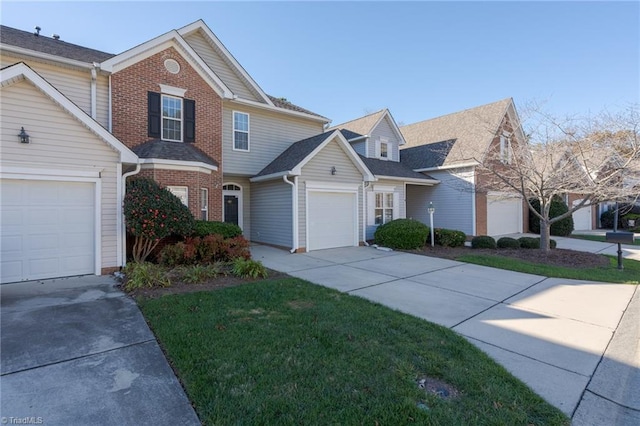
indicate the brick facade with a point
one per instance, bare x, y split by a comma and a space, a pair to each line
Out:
130, 119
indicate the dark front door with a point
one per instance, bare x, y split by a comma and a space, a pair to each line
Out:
231, 209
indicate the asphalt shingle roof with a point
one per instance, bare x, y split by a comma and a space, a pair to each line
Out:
44, 44
426, 156
293, 155
180, 151
348, 134
473, 129
363, 125
284, 104
391, 168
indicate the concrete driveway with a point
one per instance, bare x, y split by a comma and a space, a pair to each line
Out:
77, 351
556, 335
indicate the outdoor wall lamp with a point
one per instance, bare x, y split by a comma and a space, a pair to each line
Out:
24, 137
333, 170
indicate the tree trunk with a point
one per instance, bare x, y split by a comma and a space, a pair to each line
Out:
545, 236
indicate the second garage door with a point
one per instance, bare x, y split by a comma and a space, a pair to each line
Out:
332, 220
48, 229
504, 215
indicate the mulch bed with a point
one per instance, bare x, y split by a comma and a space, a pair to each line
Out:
555, 257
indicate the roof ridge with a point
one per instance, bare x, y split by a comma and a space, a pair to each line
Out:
456, 112
360, 118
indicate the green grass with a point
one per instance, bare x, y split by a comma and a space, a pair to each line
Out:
287, 352
601, 238
629, 275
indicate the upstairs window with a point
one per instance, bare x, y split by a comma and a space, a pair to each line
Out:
383, 149
240, 131
171, 119
505, 148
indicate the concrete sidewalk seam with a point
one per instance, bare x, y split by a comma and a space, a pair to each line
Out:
502, 302
522, 355
610, 400
613, 335
408, 276
78, 357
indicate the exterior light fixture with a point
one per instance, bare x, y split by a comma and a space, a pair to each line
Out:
24, 137
431, 211
333, 170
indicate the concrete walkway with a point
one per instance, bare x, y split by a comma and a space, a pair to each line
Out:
550, 333
77, 351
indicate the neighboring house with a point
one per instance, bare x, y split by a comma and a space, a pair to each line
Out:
447, 148
171, 108
377, 140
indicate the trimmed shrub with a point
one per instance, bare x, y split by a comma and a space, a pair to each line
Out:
246, 268
507, 242
210, 249
202, 228
558, 207
404, 234
483, 241
529, 242
151, 214
553, 244
449, 237
145, 275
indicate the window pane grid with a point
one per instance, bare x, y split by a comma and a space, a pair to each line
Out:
171, 118
241, 131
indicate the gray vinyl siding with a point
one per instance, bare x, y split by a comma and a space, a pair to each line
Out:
399, 188
246, 200
384, 129
271, 215
270, 133
220, 67
360, 147
73, 83
59, 141
318, 169
452, 199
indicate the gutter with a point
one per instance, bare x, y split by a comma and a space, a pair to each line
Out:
94, 101
294, 207
451, 166
46, 56
247, 102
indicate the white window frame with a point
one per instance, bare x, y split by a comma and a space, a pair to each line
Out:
505, 148
204, 204
379, 143
182, 192
163, 118
234, 130
385, 197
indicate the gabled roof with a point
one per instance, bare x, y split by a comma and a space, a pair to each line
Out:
394, 169
291, 161
429, 156
160, 43
199, 25
473, 129
367, 124
285, 104
21, 71
40, 43
349, 135
178, 151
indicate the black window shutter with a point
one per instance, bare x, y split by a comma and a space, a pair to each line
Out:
155, 114
189, 120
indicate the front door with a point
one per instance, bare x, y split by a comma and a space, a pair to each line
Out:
231, 209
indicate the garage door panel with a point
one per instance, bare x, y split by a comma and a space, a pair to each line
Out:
332, 220
504, 215
49, 231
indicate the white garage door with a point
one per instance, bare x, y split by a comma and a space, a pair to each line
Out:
47, 229
581, 218
504, 215
332, 220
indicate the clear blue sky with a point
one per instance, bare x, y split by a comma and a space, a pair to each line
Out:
419, 59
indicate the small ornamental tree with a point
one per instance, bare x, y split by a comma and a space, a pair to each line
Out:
151, 214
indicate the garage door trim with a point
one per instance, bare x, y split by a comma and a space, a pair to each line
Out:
77, 175
345, 188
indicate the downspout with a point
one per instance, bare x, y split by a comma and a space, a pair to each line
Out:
123, 227
365, 213
294, 207
94, 101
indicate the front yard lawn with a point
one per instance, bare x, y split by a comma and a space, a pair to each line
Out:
629, 275
286, 352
